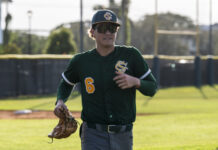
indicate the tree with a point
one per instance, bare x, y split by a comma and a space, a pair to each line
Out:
16, 42
6, 32
175, 44
125, 28
215, 44
11, 48
20, 39
61, 42
143, 37
88, 43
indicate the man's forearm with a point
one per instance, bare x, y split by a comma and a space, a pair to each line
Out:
149, 86
64, 91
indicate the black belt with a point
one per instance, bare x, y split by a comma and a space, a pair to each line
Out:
110, 128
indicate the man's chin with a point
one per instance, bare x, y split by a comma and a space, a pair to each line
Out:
108, 45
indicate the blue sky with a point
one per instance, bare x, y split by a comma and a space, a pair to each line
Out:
47, 14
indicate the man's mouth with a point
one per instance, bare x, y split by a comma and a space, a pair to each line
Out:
107, 38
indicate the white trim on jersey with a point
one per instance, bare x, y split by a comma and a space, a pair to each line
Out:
146, 74
65, 79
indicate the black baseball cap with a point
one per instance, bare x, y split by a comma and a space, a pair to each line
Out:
105, 15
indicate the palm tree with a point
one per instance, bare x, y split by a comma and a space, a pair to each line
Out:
126, 23
6, 31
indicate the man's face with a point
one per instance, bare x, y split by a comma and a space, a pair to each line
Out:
105, 34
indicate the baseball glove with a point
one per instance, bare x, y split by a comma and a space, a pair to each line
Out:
66, 126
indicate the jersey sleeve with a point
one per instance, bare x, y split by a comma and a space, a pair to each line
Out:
70, 75
64, 90
148, 85
141, 69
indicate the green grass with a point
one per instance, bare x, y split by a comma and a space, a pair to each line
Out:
184, 118
38, 103
176, 131
32, 135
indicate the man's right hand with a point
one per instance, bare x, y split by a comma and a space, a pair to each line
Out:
60, 109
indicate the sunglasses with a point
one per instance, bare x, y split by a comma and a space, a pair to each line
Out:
104, 27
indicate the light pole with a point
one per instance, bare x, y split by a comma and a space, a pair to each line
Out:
210, 62
156, 64
155, 29
29, 14
197, 54
81, 26
210, 46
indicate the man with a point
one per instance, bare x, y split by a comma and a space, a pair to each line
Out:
109, 75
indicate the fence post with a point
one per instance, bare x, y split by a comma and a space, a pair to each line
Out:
197, 71
210, 71
156, 69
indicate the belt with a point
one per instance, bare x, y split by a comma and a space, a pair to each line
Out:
110, 128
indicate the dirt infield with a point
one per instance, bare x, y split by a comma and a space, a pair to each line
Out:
11, 114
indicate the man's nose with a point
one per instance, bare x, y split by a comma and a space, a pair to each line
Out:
107, 32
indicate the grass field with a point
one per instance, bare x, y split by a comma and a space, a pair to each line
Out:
184, 118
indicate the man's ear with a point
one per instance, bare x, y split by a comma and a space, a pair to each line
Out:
92, 33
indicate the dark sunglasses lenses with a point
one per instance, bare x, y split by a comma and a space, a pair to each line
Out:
103, 28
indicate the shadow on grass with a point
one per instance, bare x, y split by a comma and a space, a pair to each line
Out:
147, 101
202, 93
204, 96
214, 87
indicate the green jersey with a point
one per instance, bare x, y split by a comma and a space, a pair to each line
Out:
102, 100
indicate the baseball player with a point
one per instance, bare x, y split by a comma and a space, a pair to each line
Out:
109, 75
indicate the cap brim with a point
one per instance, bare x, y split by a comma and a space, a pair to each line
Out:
106, 22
